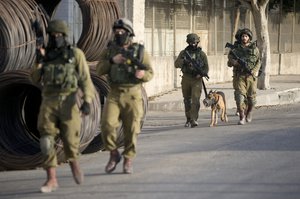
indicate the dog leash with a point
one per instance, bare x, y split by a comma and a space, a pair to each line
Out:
204, 88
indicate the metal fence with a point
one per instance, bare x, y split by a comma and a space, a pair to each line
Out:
167, 22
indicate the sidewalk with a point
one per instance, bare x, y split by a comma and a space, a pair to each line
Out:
285, 89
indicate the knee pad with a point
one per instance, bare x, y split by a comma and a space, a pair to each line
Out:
46, 144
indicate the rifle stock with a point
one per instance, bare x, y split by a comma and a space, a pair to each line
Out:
229, 45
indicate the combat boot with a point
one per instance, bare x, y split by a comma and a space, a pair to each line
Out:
77, 173
114, 159
242, 117
51, 183
127, 166
187, 123
249, 114
193, 123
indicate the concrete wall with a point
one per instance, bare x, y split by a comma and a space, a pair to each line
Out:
285, 64
289, 63
166, 77
134, 10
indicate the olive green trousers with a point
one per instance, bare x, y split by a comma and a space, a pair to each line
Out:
191, 90
59, 117
123, 105
245, 91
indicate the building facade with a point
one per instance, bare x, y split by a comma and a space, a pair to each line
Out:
162, 25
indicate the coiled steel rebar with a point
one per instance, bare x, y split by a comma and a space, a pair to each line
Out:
17, 41
98, 17
20, 101
18, 38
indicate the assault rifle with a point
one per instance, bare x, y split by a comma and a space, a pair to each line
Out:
37, 26
197, 65
229, 45
38, 30
242, 62
128, 54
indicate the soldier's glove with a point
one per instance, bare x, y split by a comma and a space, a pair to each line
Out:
85, 108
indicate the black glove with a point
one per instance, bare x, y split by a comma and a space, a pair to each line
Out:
85, 108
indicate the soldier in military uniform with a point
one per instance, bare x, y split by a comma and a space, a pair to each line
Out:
124, 102
61, 69
191, 82
245, 60
234, 77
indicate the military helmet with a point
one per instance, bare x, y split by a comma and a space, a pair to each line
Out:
192, 38
125, 24
59, 26
246, 31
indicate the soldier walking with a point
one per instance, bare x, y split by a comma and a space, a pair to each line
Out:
62, 70
191, 83
127, 66
245, 60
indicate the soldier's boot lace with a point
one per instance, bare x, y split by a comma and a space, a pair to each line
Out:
51, 183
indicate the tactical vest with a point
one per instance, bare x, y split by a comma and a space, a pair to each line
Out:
247, 54
125, 73
186, 68
60, 73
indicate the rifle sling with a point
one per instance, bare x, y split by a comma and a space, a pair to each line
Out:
204, 88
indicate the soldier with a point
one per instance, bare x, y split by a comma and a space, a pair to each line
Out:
234, 81
191, 82
127, 66
245, 61
61, 69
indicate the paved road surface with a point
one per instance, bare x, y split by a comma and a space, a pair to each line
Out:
260, 160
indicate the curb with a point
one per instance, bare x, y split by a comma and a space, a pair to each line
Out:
264, 98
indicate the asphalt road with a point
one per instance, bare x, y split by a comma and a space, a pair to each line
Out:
260, 160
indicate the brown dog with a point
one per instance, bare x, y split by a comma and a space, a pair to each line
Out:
216, 100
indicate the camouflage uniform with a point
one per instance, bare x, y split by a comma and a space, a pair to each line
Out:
124, 101
62, 72
59, 112
191, 83
245, 82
